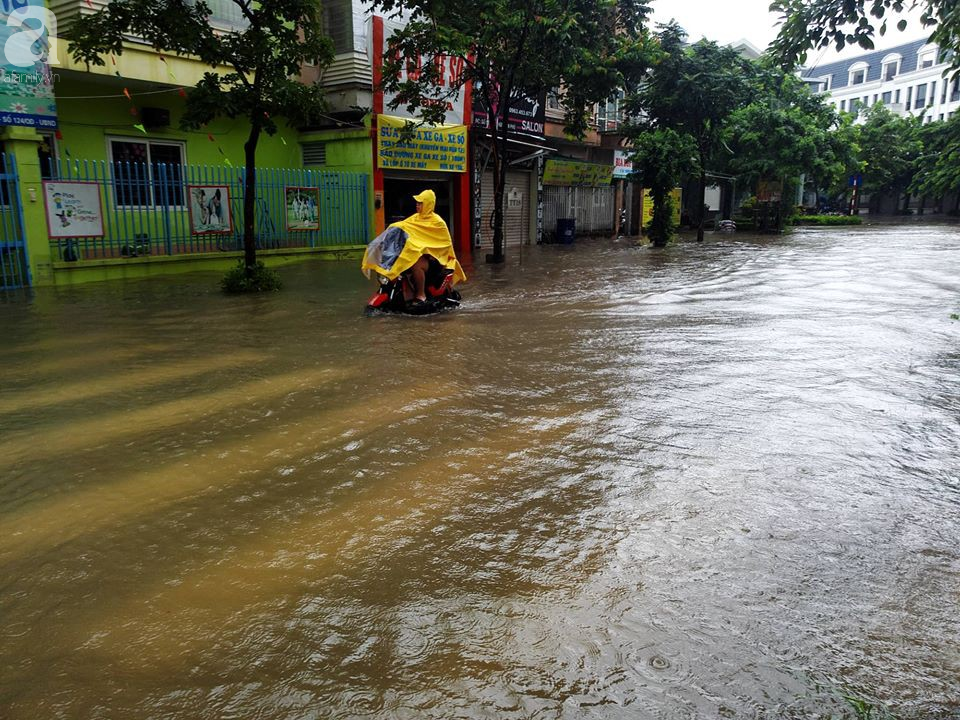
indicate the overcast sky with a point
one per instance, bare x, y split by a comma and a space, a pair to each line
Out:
727, 21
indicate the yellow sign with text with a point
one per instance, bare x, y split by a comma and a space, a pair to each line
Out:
646, 214
571, 172
435, 148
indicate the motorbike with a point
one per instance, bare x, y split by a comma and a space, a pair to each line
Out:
390, 296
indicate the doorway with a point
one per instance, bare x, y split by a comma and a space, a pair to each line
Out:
398, 202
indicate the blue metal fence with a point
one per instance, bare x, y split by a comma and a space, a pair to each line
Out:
147, 209
14, 270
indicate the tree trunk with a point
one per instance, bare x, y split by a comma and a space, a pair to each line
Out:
249, 198
702, 197
499, 125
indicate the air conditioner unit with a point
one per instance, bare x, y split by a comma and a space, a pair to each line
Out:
154, 117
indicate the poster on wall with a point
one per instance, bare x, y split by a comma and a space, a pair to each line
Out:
210, 210
302, 206
26, 81
73, 209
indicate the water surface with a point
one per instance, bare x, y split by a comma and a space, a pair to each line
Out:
715, 480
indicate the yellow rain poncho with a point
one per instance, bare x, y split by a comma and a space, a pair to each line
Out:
427, 234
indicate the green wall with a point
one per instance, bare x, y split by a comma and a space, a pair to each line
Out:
87, 118
347, 150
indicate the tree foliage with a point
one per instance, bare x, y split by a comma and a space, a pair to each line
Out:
814, 24
693, 90
263, 61
664, 158
587, 49
788, 132
890, 146
937, 168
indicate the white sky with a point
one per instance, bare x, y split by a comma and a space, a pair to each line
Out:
727, 21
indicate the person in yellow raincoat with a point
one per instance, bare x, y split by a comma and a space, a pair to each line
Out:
426, 235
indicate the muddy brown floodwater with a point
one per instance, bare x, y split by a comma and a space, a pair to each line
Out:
717, 480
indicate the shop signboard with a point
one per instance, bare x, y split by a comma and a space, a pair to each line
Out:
434, 148
622, 165
527, 115
445, 91
572, 172
27, 36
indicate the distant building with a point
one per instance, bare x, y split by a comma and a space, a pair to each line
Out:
746, 49
908, 79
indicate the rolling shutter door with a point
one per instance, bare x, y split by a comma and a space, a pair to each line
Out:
516, 220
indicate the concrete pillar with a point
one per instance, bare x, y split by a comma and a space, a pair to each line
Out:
22, 143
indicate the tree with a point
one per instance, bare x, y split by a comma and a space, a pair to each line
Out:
693, 90
787, 132
664, 157
889, 148
813, 24
511, 49
264, 58
938, 166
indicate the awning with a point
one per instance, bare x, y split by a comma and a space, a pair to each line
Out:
516, 146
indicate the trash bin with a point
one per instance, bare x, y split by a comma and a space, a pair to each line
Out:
566, 229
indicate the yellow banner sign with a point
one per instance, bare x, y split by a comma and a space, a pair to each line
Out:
570, 172
437, 148
646, 214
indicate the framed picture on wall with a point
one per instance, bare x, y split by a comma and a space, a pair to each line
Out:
210, 210
73, 209
302, 206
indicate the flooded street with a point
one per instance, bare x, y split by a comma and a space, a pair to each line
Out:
710, 481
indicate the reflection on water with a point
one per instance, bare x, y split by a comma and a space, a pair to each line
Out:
716, 480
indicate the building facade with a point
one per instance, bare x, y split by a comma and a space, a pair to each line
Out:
909, 79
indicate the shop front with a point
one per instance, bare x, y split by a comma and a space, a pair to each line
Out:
410, 158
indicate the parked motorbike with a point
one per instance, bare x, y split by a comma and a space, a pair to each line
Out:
390, 295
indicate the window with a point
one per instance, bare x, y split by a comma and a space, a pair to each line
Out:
887, 97
47, 153
610, 113
926, 59
338, 24
955, 90
896, 96
147, 173
933, 93
909, 97
843, 104
891, 67
858, 73
225, 15
921, 97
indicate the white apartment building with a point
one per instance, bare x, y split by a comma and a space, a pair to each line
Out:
910, 79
